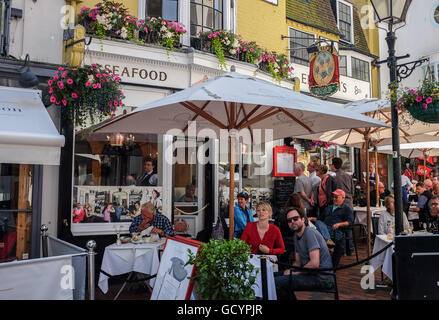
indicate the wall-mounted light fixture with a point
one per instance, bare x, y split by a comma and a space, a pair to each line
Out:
28, 79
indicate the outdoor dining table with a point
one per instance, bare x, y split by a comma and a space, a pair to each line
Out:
385, 258
257, 287
361, 214
128, 258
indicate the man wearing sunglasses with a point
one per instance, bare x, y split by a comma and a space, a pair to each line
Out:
333, 219
311, 252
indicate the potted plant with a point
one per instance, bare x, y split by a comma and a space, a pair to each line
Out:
422, 103
223, 271
85, 93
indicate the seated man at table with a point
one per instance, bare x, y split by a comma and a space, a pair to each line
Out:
388, 218
434, 213
149, 217
311, 252
422, 207
383, 192
332, 219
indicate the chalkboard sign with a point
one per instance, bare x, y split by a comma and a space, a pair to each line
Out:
283, 189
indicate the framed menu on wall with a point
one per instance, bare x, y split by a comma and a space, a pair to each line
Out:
284, 158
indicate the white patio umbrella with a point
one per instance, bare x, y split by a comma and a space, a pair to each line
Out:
241, 102
360, 137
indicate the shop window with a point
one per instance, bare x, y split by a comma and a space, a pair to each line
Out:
255, 176
113, 175
4, 5
206, 15
436, 15
299, 41
343, 65
16, 182
345, 24
360, 69
167, 9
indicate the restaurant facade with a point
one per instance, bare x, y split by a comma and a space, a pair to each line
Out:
96, 168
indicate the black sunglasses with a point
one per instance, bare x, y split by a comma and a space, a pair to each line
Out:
293, 219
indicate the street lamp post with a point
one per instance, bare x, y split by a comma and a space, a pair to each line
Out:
392, 11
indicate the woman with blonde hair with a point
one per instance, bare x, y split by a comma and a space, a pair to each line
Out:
262, 236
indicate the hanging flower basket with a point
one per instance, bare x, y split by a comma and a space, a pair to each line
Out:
422, 103
85, 94
429, 115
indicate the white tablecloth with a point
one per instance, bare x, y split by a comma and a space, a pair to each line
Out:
361, 214
129, 257
385, 258
257, 287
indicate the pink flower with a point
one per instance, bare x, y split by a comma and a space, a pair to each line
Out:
69, 81
50, 82
74, 95
95, 86
99, 75
60, 85
116, 104
64, 74
110, 104
425, 106
418, 99
64, 102
99, 85
429, 100
55, 78
88, 84
52, 99
51, 90
60, 68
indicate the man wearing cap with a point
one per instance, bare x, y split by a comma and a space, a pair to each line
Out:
243, 215
335, 217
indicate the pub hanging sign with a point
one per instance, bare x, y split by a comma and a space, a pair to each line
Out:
324, 74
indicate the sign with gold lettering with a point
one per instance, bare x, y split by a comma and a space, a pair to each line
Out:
324, 75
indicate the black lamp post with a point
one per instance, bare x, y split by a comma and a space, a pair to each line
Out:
392, 11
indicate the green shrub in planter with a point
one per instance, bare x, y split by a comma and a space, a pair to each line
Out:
223, 271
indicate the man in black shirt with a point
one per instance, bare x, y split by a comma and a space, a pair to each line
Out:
383, 192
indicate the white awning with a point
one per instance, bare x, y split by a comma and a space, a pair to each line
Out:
27, 133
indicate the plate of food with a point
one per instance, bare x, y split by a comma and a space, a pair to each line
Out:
125, 239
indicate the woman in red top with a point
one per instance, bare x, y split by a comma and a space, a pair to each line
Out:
263, 237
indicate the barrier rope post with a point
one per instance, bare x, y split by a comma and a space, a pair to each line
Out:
44, 242
264, 277
91, 245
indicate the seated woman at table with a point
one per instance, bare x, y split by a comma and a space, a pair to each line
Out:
388, 218
263, 237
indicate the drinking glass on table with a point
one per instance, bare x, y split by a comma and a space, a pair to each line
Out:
410, 228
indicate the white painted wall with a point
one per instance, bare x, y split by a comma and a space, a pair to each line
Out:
38, 33
419, 38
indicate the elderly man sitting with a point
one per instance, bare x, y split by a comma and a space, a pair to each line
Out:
333, 218
149, 217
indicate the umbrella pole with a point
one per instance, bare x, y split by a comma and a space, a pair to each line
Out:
232, 188
366, 137
377, 180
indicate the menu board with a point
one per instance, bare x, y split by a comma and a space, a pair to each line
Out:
284, 159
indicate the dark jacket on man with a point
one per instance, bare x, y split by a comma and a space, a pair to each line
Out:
345, 182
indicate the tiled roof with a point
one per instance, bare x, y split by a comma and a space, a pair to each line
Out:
314, 13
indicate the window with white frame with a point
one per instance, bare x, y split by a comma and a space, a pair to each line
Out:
436, 15
342, 65
167, 9
345, 20
360, 69
206, 15
299, 41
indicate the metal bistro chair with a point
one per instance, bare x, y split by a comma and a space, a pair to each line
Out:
331, 288
354, 238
